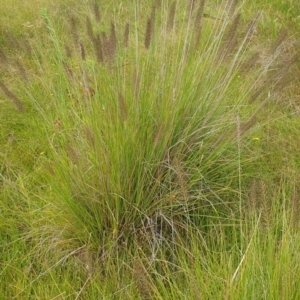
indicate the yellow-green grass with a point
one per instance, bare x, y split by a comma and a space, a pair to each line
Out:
149, 193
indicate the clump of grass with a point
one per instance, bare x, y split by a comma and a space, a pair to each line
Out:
135, 148
149, 148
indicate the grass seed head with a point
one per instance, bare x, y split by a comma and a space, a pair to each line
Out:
231, 7
122, 107
68, 51
198, 24
82, 51
97, 13
229, 40
89, 28
150, 28
22, 70
14, 99
126, 36
171, 17
295, 208
109, 44
74, 31
98, 47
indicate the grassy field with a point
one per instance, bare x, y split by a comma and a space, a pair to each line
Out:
149, 150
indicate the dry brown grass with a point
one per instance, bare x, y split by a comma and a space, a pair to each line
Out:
260, 202
122, 107
22, 69
109, 44
254, 194
98, 48
295, 209
182, 180
198, 24
97, 12
126, 35
89, 28
265, 205
82, 51
14, 99
150, 28
171, 17
230, 39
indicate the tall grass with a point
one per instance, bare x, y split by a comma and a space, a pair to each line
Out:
148, 176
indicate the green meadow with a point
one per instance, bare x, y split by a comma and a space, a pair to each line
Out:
150, 149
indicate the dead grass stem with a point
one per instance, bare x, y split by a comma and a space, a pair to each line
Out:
14, 99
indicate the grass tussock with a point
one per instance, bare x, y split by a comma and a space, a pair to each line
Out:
150, 155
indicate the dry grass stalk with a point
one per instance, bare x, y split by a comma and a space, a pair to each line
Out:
241, 129
89, 28
26, 47
249, 63
238, 129
198, 23
251, 30
122, 107
228, 135
136, 83
126, 36
82, 51
229, 40
244, 127
278, 80
258, 92
281, 39
182, 179
15, 100
97, 13
68, 70
72, 154
158, 135
74, 31
22, 70
148, 34
150, 28
157, 3
109, 44
265, 205
142, 280
295, 207
196, 288
171, 17
253, 196
68, 51
3, 57
12, 41
97, 43
113, 36
231, 7
191, 7
282, 75
199, 15
89, 136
